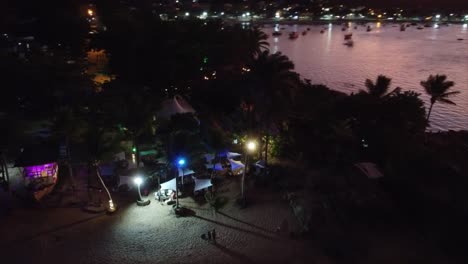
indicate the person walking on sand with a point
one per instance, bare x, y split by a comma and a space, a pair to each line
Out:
213, 234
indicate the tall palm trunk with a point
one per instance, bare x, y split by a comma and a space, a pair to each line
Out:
429, 113
98, 173
267, 139
137, 152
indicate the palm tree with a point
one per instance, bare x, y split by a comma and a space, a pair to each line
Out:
274, 86
256, 42
437, 87
380, 88
70, 128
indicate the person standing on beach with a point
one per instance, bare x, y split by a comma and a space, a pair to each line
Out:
213, 234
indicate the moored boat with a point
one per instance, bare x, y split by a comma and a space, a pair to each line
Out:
348, 36
293, 35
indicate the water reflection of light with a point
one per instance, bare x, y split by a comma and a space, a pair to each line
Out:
378, 24
275, 40
275, 48
465, 26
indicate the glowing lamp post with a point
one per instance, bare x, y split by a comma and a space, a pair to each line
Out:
138, 180
250, 148
180, 165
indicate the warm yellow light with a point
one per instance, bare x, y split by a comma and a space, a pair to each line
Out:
379, 16
251, 145
90, 12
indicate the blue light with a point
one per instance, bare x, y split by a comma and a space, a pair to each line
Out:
181, 162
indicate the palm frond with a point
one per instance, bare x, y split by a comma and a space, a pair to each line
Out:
445, 101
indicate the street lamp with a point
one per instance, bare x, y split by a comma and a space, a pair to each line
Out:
180, 165
138, 180
251, 146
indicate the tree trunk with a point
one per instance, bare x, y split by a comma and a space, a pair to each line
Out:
98, 173
267, 139
429, 113
137, 154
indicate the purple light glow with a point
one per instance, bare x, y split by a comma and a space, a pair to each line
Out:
45, 170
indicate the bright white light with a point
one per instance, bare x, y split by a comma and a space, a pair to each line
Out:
465, 25
138, 180
278, 14
251, 146
247, 14
243, 15
187, 14
295, 17
437, 16
111, 206
205, 14
222, 13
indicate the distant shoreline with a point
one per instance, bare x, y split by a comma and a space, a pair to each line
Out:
338, 21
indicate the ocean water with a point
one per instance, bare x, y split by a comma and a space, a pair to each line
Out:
407, 57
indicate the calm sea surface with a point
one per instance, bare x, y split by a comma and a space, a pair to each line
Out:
407, 57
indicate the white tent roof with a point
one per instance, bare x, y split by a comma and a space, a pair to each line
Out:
176, 105
186, 172
369, 169
169, 185
209, 157
235, 165
201, 184
233, 155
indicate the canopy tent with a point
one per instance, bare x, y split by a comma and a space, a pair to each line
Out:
169, 185
369, 169
236, 165
231, 155
201, 184
186, 172
209, 157
176, 105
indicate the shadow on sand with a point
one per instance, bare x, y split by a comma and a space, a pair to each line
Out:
238, 256
246, 223
237, 228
